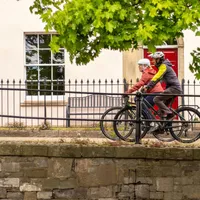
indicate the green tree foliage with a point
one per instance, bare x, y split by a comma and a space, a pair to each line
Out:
85, 27
195, 65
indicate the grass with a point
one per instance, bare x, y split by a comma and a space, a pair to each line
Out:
16, 125
51, 128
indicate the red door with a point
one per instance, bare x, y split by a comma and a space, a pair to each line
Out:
172, 55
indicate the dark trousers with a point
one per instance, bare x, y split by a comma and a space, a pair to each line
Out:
150, 100
160, 101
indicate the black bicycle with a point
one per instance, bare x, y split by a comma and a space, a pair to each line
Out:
184, 126
106, 123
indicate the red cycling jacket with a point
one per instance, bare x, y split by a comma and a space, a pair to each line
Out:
147, 75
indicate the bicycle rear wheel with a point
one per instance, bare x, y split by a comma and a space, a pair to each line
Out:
186, 132
126, 130
107, 126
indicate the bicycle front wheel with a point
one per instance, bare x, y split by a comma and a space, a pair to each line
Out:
107, 126
185, 127
126, 130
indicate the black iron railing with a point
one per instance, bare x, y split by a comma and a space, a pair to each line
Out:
81, 103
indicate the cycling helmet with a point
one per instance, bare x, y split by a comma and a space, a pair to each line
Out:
158, 54
144, 61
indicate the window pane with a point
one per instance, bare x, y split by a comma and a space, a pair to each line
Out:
32, 86
45, 72
44, 41
58, 72
45, 86
58, 58
32, 73
45, 56
31, 41
31, 57
58, 85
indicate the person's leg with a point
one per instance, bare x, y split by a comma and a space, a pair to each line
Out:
153, 125
160, 100
150, 101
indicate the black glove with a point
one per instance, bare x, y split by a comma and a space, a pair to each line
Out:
144, 89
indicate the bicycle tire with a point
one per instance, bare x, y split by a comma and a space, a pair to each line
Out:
185, 125
108, 133
126, 137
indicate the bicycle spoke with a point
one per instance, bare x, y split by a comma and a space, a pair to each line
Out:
107, 126
126, 130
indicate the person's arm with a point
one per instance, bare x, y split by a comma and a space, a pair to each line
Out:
159, 75
139, 84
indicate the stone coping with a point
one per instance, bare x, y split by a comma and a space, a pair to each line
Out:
68, 132
92, 148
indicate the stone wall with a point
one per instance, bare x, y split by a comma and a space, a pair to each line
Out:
98, 172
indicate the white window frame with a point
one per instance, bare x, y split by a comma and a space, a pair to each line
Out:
41, 97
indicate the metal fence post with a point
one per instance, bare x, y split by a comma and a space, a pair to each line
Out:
138, 117
183, 88
194, 93
45, 103
68, 112
126, 85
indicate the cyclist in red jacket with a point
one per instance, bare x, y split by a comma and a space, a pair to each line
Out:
147, 74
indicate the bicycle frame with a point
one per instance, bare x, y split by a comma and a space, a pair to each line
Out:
146, 104
150, 111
